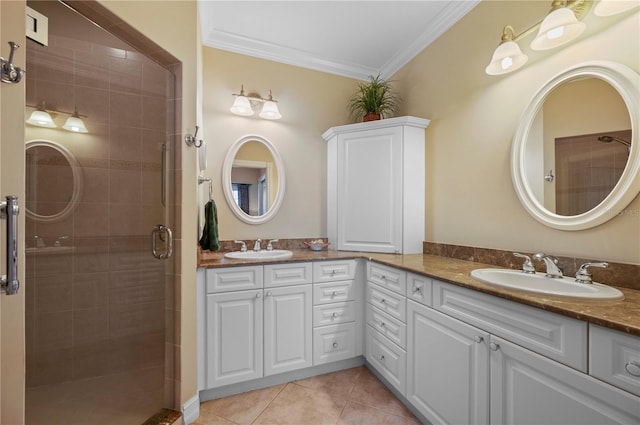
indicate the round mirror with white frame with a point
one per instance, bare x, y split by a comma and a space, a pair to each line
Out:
253, 179
543, 153
53, 181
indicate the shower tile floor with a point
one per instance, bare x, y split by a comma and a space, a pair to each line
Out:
352, 396
120, 399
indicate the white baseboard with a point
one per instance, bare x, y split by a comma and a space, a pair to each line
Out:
191, 410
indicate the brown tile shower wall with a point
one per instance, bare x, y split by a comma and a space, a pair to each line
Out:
101, 310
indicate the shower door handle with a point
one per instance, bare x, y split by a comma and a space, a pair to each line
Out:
165, 235
9, 210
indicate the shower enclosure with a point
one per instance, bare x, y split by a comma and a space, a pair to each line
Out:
99, 312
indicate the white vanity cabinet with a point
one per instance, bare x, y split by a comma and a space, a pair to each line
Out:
336, 309
257, 332
386, 318
376, 185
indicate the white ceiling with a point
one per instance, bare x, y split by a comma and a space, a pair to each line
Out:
350, 38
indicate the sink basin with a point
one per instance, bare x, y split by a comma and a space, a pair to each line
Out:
276, 254
540, 284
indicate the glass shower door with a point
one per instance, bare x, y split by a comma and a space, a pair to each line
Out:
96, 303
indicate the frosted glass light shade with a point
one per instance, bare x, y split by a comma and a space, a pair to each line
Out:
559, 27
41, 119
75, 124
270, 111
613, 7
506, 58
241, 106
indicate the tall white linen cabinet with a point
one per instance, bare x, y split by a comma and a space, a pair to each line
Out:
376, 185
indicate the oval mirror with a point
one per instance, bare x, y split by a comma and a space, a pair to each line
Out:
253, 179
575, 160
53, 183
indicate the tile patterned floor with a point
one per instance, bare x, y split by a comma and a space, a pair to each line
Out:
352, 396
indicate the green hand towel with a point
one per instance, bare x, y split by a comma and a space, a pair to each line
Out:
209, 239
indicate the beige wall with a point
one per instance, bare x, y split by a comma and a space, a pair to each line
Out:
12, 28
470, 197
174, 26
310, 103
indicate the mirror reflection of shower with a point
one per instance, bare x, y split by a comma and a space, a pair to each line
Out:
609, 139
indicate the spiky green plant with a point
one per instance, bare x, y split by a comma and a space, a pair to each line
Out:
376, 96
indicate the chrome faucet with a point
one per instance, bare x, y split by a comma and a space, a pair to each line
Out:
584, 276
39, 242
553, 270
270, 246
243, 247
256, 246
527, 266
58, 241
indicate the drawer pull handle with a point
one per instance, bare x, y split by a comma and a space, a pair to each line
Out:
335, 345
381, 357
494, 347
633, 368
478, 338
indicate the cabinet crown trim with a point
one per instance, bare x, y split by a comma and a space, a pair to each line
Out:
373, 125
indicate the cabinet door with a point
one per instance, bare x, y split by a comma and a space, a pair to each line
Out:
288, 338
447, 368
528, 388
234, 337
370, 190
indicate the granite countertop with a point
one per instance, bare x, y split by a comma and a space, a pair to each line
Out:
622, 315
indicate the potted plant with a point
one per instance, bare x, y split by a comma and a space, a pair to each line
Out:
373, 100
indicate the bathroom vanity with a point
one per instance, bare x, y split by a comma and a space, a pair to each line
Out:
453, 349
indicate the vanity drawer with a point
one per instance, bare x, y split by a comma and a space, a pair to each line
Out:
387, 277
560, 338
333, 343
333, 271
330, 292
332, 314
287, 274
234, 279
393, 329
614, 357
391, 303
419, 288
387, 358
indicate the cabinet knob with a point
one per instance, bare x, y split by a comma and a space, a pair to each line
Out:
333, 272
382, 324
417, 289
383, 277
478, 338
334, 314
382, 301
494, 347
258, 295
633, 368
335, 345
382, 357
334, 293
269, 294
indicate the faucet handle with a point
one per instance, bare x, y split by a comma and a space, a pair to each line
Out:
243, 248
527, 266
583, 275
269, 246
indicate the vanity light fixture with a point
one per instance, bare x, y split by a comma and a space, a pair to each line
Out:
41, 118
561, 25
613, 7
244, 105
74, 123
